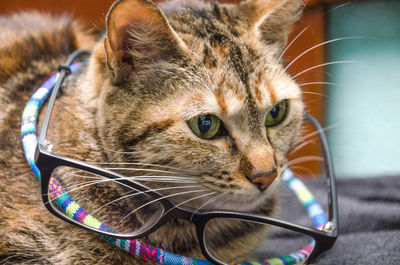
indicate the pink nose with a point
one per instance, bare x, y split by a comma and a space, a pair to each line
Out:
263, 179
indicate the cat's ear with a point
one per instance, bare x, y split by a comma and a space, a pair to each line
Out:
137, 30
271, 19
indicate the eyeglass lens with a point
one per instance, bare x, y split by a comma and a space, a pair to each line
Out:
113, 206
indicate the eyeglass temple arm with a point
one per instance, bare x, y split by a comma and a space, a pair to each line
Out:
64, 71
332, 192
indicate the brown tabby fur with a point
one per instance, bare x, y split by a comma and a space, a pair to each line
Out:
144, 81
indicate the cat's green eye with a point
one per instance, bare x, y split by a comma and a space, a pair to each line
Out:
205, 126
277, 114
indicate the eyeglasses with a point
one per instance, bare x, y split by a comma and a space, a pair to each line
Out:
70, 187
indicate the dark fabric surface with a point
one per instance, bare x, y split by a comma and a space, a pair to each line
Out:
369, 220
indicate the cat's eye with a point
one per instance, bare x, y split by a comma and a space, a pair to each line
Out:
277, 114
205, 126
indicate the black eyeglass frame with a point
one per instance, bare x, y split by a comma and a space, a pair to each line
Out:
47, 162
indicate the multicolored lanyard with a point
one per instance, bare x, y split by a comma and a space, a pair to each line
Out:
135, 247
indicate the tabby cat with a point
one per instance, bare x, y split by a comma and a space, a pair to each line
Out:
191, 87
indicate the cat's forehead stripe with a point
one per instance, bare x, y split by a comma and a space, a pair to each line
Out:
148, 131
229, 97
271, 92
258, 92
264, 91
225, 49
219, 96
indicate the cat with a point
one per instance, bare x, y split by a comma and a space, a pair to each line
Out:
156, 85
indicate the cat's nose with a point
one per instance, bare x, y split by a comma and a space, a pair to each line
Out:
263, 179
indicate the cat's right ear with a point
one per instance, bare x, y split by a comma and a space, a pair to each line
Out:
138, 31
271, 20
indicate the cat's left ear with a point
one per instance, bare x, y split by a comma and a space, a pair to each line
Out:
270, 19
138, 32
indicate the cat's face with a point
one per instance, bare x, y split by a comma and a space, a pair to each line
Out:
205, 95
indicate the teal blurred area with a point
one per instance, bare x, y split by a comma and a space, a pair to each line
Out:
364, 107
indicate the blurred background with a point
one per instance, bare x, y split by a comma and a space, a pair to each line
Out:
363, 108
349, 73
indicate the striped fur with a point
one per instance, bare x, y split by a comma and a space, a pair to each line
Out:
138, 99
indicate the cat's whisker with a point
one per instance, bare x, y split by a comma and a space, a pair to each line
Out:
310, 49
208, 76
206, 85
301, 33
146, 181
161, 176
85, 184
321, 65
316, 46
162, 180
305, 159
309, 171
202, 81
82, 184
316, 132
141, 169
90, 183
313, 93
206, 203
319, 83
300, 146
159, 199
165, 177
183, 177
191, 199
81, 176
140, 178
127, 195
276, 71
290, 44
130, 195
200, 61
337, 7
144, 164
